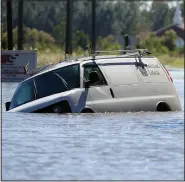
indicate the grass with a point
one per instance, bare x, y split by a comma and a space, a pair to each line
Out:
172, 61
48, 57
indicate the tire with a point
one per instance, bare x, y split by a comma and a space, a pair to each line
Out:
163, 107
87, 110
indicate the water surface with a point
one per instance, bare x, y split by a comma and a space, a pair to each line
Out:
113, 146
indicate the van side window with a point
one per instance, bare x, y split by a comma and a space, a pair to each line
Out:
48, 84
89, 67
70, 75
60, 80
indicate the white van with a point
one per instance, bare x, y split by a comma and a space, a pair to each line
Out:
125, 83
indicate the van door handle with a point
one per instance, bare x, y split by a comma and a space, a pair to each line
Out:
111, 92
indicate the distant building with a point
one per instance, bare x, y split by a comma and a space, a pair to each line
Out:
177, 26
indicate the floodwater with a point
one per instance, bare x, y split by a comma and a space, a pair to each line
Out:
114, 146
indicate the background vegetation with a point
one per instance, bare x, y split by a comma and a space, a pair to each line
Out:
44, 27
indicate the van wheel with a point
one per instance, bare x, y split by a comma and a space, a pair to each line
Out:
162, 107
87, 110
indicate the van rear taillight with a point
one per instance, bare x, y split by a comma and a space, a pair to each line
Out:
169, 76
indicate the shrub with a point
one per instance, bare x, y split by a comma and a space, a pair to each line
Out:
80, 39
108, 43
159, 45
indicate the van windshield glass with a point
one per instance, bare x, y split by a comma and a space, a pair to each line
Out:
25, 93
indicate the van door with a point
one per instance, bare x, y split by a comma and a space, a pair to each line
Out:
100, 92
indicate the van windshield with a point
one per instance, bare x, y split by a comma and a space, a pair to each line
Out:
24, 93
46, 84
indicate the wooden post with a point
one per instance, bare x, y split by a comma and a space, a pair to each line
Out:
20, 26
93, 25
9, 24
68, 45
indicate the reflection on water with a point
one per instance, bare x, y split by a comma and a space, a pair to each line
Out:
117, 146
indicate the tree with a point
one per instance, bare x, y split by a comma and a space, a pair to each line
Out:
125, 20
80, 39
169, 40
60, 33
182, 8
160, 15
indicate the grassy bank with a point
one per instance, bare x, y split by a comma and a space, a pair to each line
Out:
47, 57
175, 62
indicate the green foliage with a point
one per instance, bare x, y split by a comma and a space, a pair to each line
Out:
160, 15
181, 51
126, 15
79, 51
80, 39
60, 32
182, 8
112, 17
45, 25
159, 45
3, 40
169, 40
108, 43
32, 39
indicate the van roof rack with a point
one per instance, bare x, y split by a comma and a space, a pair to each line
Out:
127, 51
132, 52
140, 51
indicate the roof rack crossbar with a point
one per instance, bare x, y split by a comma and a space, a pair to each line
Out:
133, 52
124, 51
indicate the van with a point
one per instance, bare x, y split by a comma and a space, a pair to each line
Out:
131, 82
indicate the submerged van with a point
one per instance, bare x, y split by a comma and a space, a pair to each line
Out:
130, 82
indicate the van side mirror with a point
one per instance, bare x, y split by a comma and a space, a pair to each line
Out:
7, 106
93, 77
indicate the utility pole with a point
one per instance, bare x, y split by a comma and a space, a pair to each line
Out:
20, 25
9, 24
126, 41
68, 45
93, 24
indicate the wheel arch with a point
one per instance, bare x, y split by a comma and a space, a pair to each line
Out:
162, 106
87, 110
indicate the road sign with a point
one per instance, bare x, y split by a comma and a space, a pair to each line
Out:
13, 64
